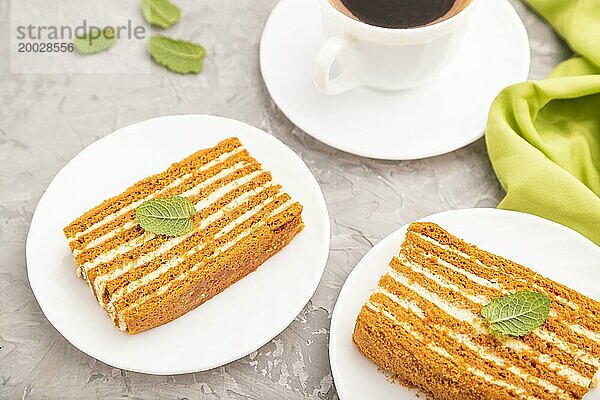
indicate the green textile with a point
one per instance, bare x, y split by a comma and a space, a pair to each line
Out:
543, 137
577, 21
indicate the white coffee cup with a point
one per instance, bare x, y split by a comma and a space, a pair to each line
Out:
383, 58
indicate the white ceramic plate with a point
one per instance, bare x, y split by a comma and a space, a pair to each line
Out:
553, 250
447, 113
229, 326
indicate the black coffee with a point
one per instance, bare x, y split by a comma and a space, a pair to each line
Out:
399, 13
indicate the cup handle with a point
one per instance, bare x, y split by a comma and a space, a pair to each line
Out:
326, 56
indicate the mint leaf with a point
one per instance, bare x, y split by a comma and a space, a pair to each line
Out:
161, 13
95, 40
166, 216
177, 55
517, 314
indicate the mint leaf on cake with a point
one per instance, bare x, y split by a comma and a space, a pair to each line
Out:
517, 314
166, 216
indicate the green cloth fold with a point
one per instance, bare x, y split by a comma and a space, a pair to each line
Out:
543, 137
577, 21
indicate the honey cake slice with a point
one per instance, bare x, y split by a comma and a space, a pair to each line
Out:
144, 280
423, 324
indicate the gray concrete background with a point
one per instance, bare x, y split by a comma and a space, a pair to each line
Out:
45, 120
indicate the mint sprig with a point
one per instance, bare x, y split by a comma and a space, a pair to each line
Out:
166, 216
517, 314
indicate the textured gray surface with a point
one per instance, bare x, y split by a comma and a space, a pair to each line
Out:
46, 119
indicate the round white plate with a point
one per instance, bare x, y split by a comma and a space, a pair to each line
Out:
553, 250
448, 112
232, 324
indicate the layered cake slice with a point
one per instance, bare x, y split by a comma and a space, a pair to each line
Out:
143, 279
424, 324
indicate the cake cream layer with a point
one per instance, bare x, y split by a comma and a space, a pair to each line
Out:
144, 280
423, 323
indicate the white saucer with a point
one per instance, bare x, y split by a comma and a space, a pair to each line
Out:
232, 324
542, 245
447, 113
